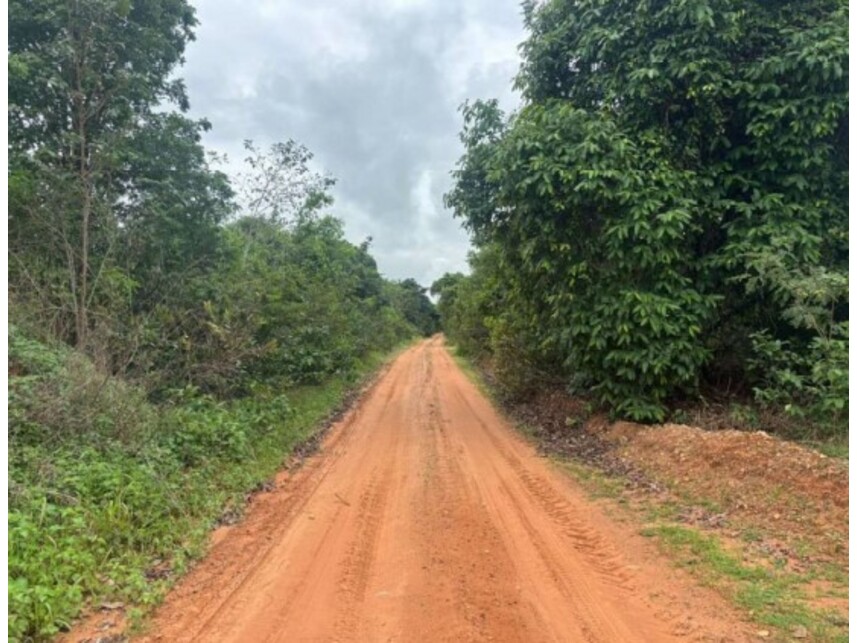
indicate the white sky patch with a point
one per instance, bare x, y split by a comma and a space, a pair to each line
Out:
421, 196
482, 49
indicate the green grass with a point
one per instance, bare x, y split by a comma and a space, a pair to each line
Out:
89, 516
771, 596
596, 483
833, 448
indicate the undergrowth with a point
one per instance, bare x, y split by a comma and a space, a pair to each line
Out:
110, 496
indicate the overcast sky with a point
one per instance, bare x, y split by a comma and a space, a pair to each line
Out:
372, 88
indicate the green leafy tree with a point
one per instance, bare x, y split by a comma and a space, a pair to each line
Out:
411, 300
82, 76
662, 149
446, 290
174, 202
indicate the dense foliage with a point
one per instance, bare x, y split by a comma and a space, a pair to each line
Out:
127, 242
174, 332
667, 212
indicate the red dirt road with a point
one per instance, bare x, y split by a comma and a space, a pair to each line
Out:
426, 518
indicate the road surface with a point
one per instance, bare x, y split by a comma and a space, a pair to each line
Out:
426, 518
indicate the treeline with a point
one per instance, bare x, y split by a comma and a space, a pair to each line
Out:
666, 217
173, 333
128, 243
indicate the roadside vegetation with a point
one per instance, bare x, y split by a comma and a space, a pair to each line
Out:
109, 507
174, 334
662, 226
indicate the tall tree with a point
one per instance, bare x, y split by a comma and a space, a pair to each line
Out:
83, 75
173, 202
677, 169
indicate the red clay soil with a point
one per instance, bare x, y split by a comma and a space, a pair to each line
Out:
752, 477
424, 517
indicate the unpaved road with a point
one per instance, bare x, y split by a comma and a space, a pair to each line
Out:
426, 518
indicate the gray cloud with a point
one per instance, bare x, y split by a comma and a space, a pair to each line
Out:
372, 88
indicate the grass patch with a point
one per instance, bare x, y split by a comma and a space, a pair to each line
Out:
772, 597
596, 483
833, 448
97, 518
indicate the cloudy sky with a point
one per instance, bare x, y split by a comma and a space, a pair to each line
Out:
372, 87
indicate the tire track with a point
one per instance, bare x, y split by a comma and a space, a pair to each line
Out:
599, 553
357, 565
476, 572
424, 518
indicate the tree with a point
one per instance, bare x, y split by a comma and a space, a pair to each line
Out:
665, 151
173, 204
446, 289
82, 76
410, 299
280, 185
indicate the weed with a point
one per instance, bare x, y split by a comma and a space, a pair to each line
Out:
772, 597
594, 481
88, 517
744, 415
751, 535
833, 448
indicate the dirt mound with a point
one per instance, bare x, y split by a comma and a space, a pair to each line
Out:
723, 478
763, 520
751, 477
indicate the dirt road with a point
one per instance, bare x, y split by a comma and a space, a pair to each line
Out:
425, 518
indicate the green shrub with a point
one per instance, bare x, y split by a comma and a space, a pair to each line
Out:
84, 524
203, 429
50, 568
67, 398
515, 365
30, 357
804, 371
89, 516
811, 383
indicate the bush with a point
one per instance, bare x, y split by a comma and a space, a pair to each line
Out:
811, 384
85, 523
205, 429
60, 396
515, 366
804, 371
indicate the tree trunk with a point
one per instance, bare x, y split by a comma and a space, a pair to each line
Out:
85, 178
